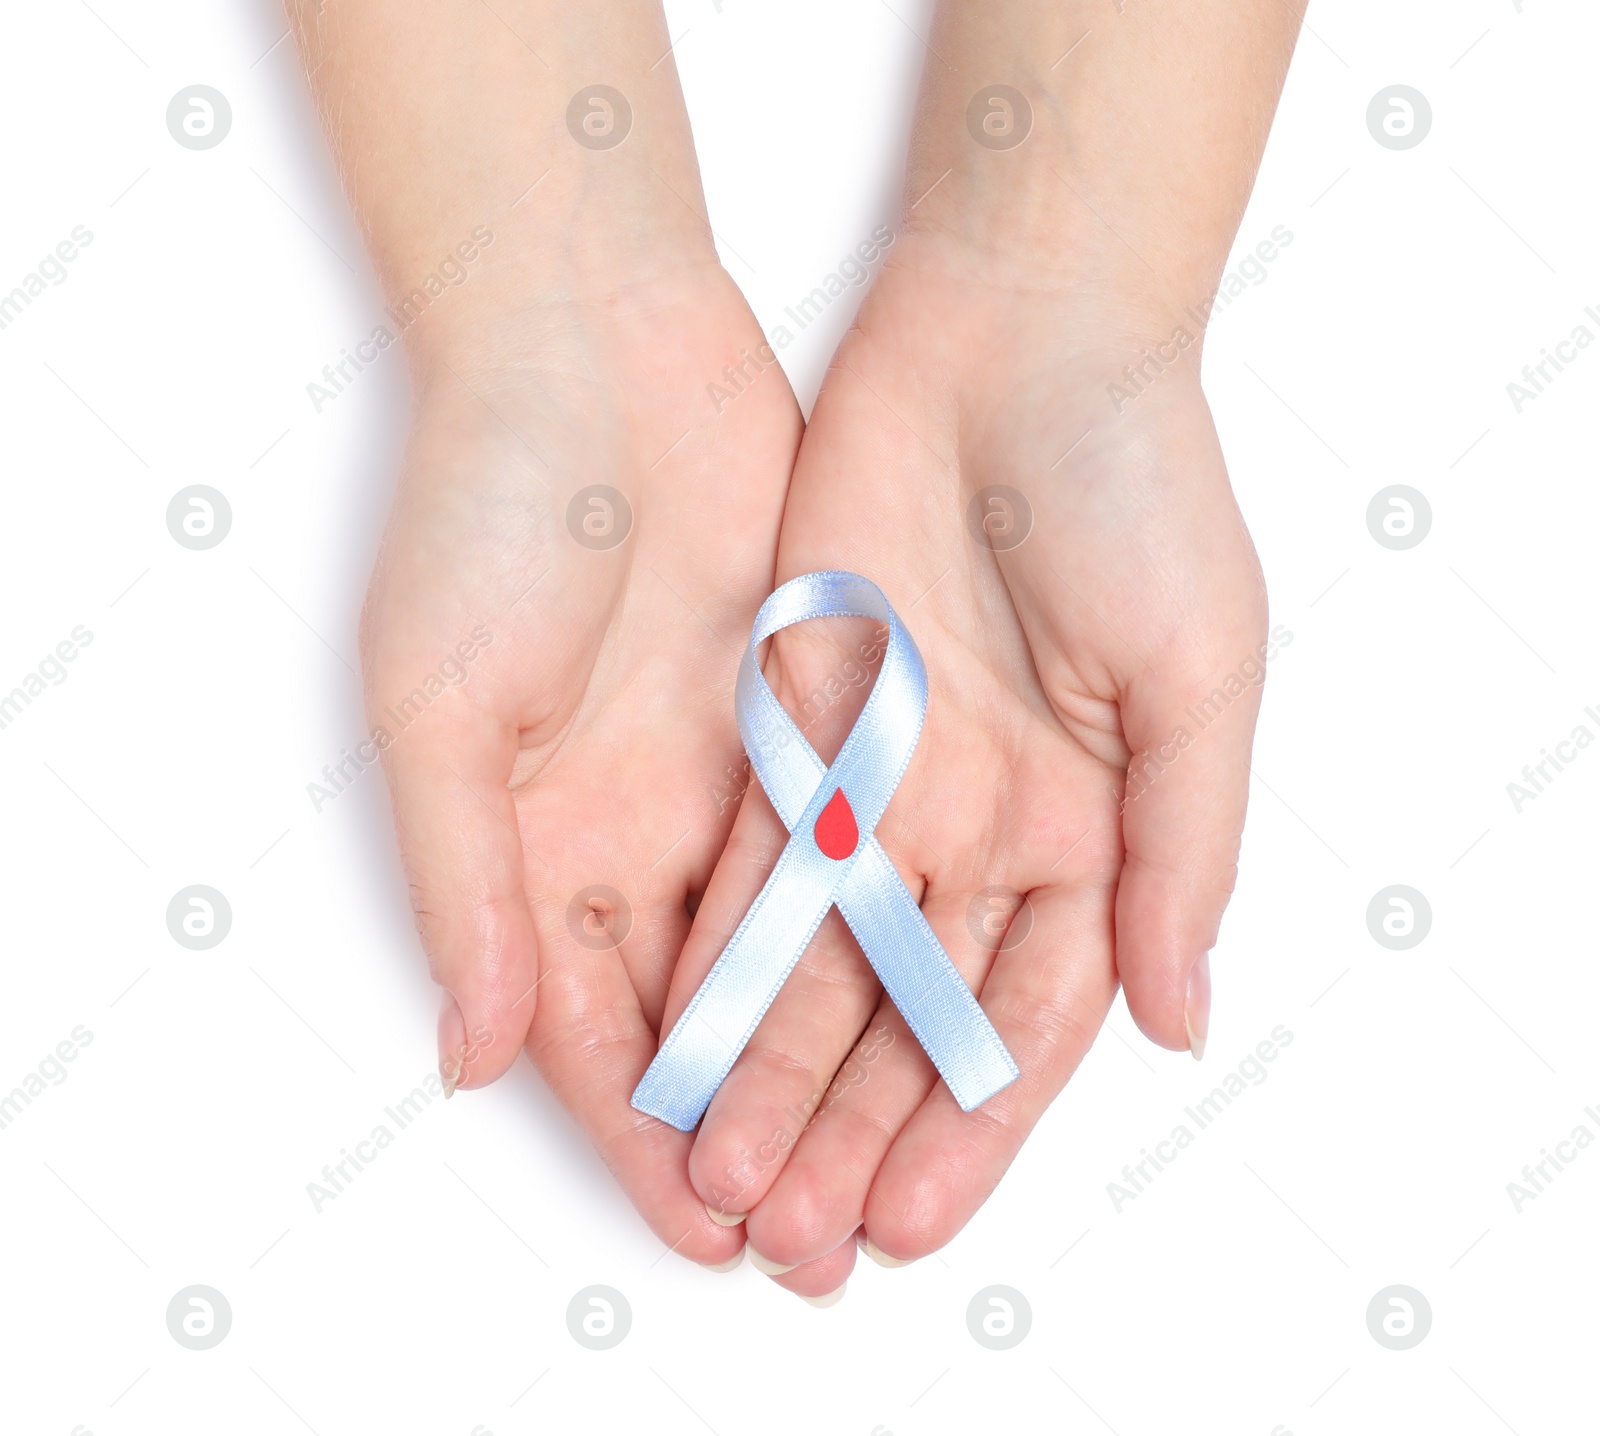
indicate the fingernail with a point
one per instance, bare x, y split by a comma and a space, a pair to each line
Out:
728, 1265
833, 1298
1197, 1005
452, 1044
878, 1254
766, 1264
725, 1219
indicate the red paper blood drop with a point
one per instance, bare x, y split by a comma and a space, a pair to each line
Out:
836, 830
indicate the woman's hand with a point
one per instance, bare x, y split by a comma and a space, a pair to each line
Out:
580, 510
577, 510
1072, 813
1073, 658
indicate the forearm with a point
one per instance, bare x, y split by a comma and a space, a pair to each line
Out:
1148, 119
451, 120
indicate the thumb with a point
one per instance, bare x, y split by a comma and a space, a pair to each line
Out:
457, 824
1190, 728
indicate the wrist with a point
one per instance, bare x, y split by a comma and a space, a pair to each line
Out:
1050, 281
1059, 149
530, 295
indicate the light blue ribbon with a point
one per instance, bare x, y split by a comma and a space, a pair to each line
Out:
914, 969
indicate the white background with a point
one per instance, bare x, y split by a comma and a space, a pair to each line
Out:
1231, 1295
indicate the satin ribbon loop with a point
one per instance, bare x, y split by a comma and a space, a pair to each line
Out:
819, 868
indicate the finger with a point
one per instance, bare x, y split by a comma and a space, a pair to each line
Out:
820, 1197
781, 1076
784, 1072
448, 768
817, 1198
1047, 998
591, 1041
1183, 813
820, 1282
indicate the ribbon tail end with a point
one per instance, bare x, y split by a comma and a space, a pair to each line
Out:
649, 1098
975, 1088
